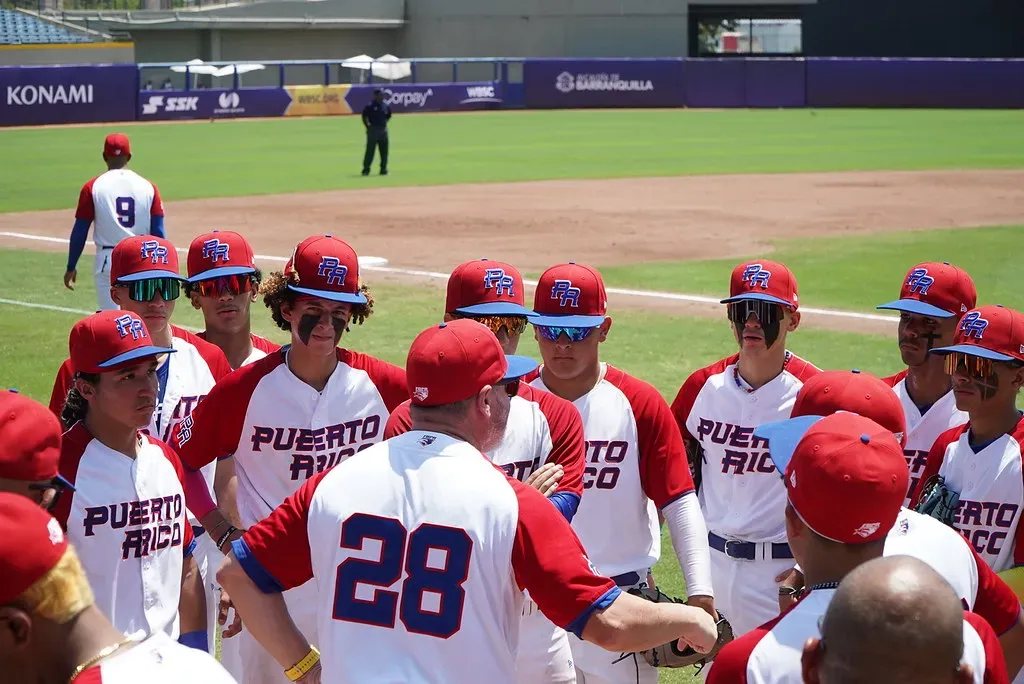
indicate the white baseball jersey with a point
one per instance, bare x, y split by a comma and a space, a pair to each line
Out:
261, 346
991, 488
635, 464
923, 430
121, 203
421, 549
157, 659
542, 428
771, 653
127, 521
741, 492
949, 554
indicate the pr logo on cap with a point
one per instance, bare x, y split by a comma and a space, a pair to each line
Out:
919, 282
483, 287
937, 290
127, 325
154, 251
501, 282
973, 325
215, 250
566, 294
332, 269
757, 276
763, 280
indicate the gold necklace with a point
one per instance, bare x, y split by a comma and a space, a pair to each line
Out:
98, 657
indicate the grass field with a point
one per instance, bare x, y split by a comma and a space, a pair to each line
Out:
256, 157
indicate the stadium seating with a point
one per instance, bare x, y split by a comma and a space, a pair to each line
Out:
21, 29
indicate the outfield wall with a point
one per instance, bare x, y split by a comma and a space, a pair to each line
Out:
80, 94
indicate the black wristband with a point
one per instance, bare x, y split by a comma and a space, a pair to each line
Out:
788, 591
224, 538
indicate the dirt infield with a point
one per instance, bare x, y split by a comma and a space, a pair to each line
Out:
603, 222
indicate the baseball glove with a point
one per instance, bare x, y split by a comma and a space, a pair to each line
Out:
669, 655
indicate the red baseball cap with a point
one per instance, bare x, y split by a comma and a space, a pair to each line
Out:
832, 391
991, 332
108, 340
453, 361
29, 439
143, 257
937, 290
31, 544
763, 280
570, 295
219, 253
116, 145
327, 267
485, 287
846, 476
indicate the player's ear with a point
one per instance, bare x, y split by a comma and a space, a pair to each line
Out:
15, 630
810, 660
115, 295
605, 327
794, 321
85, 388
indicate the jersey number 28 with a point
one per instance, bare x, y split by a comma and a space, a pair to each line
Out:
435, 561
125, 208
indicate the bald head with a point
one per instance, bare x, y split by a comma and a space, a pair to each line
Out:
892, 620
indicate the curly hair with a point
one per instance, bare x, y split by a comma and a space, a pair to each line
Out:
275, 293
75, 405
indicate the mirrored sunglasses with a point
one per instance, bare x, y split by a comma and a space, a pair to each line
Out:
515, 325
145, 290
511, 388
230, 284
975, 366
553, 332
765, 312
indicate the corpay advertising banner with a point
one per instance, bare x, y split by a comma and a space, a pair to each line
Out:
572, 83
36, 95
429, 97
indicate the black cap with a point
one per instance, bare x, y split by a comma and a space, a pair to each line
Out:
377, 91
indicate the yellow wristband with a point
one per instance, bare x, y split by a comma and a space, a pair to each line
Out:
308, 662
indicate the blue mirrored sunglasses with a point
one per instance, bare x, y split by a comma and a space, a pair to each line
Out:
553, 332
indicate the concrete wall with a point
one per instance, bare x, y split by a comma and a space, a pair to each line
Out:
544, 28
89, 53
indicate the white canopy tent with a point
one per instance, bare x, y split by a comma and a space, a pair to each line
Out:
199, 67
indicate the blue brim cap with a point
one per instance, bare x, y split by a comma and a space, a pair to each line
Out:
918, 307
345, 297
973, 350
783, 436
567, 321
496, 309
518, 366
221, 271
755, 297
150, 275
138, 353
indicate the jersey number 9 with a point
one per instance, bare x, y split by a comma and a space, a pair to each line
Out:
125, 208
435, 560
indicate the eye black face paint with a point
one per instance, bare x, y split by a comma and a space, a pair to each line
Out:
988, 386
767, 314
308, 323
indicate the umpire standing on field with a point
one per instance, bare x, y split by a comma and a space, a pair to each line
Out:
375, 117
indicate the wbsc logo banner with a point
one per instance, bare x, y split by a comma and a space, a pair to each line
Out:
432, 97
75, 94
574, 83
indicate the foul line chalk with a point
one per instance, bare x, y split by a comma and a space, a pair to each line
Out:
372, 263
64, 309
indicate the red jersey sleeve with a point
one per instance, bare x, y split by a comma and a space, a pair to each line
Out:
72, 446
61, 386
801, 369
995, 602
568, 446
188, 537
995, 661
935, 457
158, 204
214, 427
211, 353
263, 344
732, 669
664, 471
687, 395
86, 209
548, 560
388, 378
399, 422
275, 552
894, 380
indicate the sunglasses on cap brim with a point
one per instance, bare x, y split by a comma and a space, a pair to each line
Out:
574, 334
146, 290
515, 325
228, 284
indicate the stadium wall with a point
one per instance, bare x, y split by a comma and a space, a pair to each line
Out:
72, 53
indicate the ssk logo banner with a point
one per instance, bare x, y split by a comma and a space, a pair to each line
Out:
161, 103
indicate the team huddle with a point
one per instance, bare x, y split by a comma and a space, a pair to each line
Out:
477, 516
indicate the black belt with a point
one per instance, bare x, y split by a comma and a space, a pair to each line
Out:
745, 550
627, 579
102, 248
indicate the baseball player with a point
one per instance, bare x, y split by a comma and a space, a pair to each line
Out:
296, 412
636, 463
932, 300
977, 466
543, 444
915, 534
53, 630
421, 548
29, 450
223, 282
127, 515
122, 203
921, 616
845, 479
717, 409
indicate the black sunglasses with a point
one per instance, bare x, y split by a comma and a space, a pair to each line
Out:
56, 484
511, 388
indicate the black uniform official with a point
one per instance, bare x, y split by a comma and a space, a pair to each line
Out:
375, 119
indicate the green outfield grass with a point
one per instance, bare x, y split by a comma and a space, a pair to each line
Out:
855, 273
191, 160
